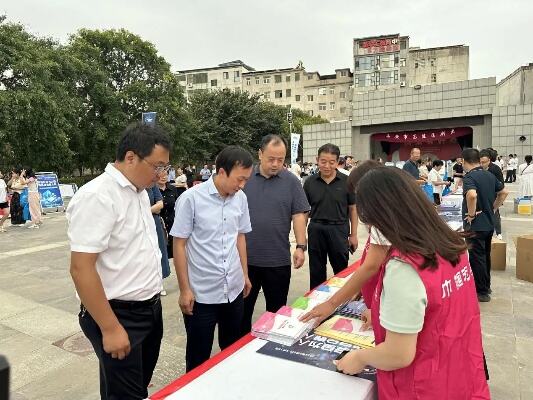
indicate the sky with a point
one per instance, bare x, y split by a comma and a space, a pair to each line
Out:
278, 33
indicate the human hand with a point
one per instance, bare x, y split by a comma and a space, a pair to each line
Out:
186, 302
319, 313
350, 364
366, 317
353, 242
469, 219
247, 286
116, 342
298, 258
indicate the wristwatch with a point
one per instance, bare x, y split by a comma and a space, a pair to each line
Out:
302, 246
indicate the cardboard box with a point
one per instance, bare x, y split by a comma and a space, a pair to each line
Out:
524, 209
498, 254
524, 258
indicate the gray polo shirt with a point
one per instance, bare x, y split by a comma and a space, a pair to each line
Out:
272, 202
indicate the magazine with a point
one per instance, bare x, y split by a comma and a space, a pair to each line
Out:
347, 330
284, 328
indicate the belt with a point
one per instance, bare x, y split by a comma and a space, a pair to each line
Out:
327, 222
132, 304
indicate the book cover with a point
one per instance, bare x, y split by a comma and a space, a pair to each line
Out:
346, 329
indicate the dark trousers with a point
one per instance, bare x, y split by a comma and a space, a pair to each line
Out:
497, 222
436, 199
326, 241
275, 282
511, 176
479, 256
200, 328
128, 379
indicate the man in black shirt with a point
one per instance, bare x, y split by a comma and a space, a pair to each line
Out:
487, 158
483, 194
411, 166
458, 173
332, 214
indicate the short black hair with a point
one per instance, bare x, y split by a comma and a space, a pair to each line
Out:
471, 156
437, 163
342, 161
141, 139
273, 138
231, 157
529, 159
485, 153
329, 148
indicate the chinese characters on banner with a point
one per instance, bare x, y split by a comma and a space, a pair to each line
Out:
376, 46
422, 136
295, 141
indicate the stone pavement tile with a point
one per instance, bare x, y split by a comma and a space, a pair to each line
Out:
78, 379
32, 359
12, 305
523, 306
499, 349
523, 327
526, 382
497, 326
498, 305
6, 332
524, 351
45, 323
170, 366
504, 382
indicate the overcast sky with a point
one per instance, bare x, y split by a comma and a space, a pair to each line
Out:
276, 34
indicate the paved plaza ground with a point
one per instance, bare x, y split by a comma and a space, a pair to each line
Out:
51, 359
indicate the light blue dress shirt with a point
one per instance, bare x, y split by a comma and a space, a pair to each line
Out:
211, 225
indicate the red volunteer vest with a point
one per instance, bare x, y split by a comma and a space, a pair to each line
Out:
367, 290
448, 364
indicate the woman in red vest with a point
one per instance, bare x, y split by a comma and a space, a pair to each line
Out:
425, 313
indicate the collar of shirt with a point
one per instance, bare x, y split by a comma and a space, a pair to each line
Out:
119, 177
336, 178
475, 169
257, 171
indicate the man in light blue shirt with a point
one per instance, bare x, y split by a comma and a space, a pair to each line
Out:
210, 255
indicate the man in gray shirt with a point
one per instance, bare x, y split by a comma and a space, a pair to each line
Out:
275, 199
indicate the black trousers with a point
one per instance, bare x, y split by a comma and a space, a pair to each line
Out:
200, 328
275, 282
510, 177
436, 199
497, 223
326, 241
128, 379
479, 256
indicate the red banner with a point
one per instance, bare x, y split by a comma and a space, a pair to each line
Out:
425, 136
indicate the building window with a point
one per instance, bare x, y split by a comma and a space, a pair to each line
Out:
288, 93
332, 105
266, 79
182, 78
342, 95
332, 90
432, 62
213, 82
433, 78
310, 112
296, 76
297, 97
257, 80
402, 62
236, 76
266, 95
199, 78
248, 83
403, 44
309, 97
226, 75
278, 94
321, 106
322, 91
288, 78
365, 63
363, 80
387, 61
309, 76
343, 110
344, 73
277, 78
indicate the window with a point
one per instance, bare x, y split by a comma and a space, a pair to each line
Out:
332, 105
288, 93
297, 97
226, 75
433, 78
199, 78
343, 110
309, 97
278, 94
310, 112
332, 90
213, 82
266, 79
309, 76
182, 78
416, 64
402, 62
432, 62
387, 61
296, 76
322, 91
403, 44
363, 80
288, 78
322, 106
342, 95
277, 78
365, 63
266, 95
387, 77
248, 82
344, 73
236, 76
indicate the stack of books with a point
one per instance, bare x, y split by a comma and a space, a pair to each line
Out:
282, 327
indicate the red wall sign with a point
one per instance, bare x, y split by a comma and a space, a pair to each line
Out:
373, 46
422, 136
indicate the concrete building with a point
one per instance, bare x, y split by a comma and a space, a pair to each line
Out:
328, 96
437, 65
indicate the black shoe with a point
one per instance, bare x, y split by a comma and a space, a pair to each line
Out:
483, 298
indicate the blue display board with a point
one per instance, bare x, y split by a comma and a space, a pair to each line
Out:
49, 190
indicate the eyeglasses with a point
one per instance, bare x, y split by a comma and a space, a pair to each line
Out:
157, 168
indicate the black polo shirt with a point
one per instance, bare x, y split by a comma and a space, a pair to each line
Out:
486, 186
329, 202
496, 171
412, 169
272, 202
458, 170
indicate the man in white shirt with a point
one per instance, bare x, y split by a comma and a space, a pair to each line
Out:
116, 263
437, 183
512, 164
210, 255
4, 206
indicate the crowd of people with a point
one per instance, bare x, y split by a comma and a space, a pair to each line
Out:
228, 239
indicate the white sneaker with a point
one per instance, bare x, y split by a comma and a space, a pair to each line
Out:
163, 292
499, 236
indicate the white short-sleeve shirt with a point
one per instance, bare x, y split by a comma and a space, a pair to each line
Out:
3, 191
110, 217
376, 237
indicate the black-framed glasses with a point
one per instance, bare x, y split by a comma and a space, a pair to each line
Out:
157, 168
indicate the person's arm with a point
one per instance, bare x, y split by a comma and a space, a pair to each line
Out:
241, 248
299, 225
354, 223
186, 299
471, 205
157, 207
89, 287
500, 198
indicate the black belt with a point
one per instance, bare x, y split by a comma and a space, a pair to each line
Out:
327, 222
132, 304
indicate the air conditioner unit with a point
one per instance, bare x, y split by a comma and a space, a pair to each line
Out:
402, 84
